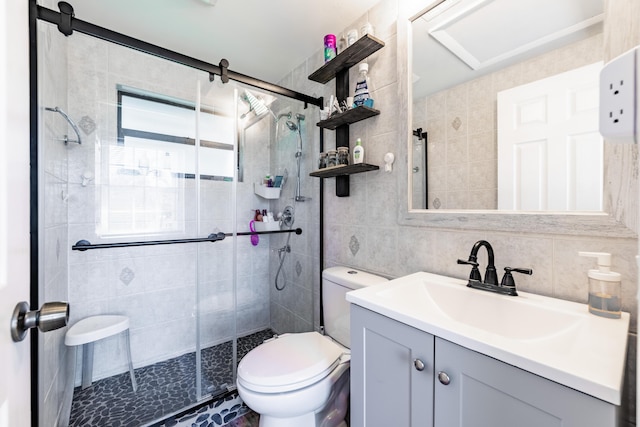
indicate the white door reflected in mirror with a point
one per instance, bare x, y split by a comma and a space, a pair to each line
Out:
550, 152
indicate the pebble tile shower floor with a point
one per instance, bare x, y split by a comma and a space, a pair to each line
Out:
163, 388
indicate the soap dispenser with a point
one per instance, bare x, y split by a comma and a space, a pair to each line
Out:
604, 287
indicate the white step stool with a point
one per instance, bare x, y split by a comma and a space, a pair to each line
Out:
91, 329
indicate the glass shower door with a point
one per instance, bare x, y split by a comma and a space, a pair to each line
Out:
216, 180
136, 112
133, 178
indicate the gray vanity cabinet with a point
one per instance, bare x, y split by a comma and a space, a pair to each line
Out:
387, 387
483, 391
457, 387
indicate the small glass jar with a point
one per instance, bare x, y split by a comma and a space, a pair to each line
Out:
343, 155
322, 160
332, 158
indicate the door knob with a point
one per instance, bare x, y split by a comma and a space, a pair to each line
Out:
419, 364
444, 378
52, 315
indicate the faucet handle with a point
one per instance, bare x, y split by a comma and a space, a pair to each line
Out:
475, 273
507, 279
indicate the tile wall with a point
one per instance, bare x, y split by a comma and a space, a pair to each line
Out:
363, 231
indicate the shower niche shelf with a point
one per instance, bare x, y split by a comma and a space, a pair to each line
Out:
343, 170
339, 67
266, 192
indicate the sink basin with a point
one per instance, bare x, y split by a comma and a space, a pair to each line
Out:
556, 339
511, 317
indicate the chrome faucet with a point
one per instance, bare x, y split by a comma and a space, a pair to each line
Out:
507, 285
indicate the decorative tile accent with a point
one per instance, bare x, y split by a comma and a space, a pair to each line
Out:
87, 125
456, 123
298, 268
354, 245
127, 275
437, 203
164, 388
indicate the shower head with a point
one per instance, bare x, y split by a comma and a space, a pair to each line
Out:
292, 126
71, 123
257, 105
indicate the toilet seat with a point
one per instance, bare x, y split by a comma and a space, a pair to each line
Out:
289, 362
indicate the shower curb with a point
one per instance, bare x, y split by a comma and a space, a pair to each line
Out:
216, 413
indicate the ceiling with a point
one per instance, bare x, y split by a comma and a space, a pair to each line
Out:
460, 40
262, 39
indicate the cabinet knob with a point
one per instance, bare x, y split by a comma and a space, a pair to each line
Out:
444, 378
419, 364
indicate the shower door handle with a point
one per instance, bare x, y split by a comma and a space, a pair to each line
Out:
51, 316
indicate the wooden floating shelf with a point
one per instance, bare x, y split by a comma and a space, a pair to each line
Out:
343, 170
363, 47
350, 116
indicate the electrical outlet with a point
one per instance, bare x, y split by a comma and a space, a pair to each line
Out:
618, 98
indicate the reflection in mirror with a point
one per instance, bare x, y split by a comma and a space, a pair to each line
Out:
510, 116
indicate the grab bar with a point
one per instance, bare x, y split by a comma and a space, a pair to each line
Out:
83, 245
71, 123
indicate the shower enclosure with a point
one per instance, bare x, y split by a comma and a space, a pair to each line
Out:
164, 153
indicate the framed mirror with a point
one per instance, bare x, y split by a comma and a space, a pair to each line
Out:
457, 63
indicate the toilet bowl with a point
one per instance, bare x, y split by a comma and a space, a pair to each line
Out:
302, 379
291, 380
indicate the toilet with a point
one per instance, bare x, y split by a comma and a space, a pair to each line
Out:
302, 379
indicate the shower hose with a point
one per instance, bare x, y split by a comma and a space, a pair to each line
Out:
282, 254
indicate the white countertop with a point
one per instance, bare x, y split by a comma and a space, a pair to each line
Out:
556, 339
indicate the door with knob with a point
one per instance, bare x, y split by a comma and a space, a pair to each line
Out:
15, 363
51, 316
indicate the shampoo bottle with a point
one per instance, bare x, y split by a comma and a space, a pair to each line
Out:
358, 152
604, 287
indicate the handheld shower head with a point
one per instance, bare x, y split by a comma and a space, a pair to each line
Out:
292, 126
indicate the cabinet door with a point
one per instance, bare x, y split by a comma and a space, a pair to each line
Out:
486, 392
387, 389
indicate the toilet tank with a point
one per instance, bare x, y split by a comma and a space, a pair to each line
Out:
336, 282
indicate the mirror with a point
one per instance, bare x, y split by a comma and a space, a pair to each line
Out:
618, 217
505, 106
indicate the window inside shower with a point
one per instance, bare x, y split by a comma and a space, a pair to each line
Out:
157, 141
159, 159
